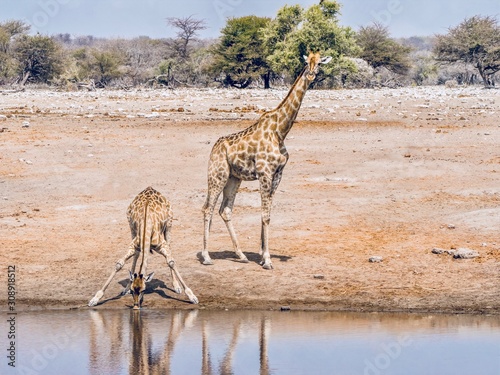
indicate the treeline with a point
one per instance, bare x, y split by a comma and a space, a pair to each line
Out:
254, 52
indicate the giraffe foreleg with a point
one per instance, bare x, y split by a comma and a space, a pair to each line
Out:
176, 276
118, 266
208, 211
164, 250
267, 188
264, 235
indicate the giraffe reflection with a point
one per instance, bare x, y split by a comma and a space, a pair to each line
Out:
226, 365
150, 343
143, 360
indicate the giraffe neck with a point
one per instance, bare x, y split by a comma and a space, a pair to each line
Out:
289, 108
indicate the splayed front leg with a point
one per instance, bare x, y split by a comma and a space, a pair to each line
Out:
118, 266
177, 280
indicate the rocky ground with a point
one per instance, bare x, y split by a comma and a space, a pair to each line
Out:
386, 173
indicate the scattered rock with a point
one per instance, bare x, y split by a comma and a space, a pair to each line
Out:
319, 277
460, 253
285, 308
26, 124
464, 253
29, 162
375, 259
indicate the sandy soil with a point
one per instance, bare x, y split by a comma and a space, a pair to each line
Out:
390, 173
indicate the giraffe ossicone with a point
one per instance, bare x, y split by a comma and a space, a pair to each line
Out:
150, 218
255, 153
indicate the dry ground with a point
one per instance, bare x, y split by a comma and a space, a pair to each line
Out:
392, 173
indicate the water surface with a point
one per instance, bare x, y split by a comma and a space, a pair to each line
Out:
253, 342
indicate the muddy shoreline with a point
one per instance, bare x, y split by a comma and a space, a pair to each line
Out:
389, 173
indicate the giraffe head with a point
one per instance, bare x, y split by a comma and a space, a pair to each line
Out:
138, 287
313, 61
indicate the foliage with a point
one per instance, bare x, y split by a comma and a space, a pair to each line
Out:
101, 66
379, 50
9, 30
252, 50
295, 32
39, 57
475, 41
424, 71
239, 57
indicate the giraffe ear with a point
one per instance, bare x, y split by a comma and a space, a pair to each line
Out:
149, 277
305, 57
325, 60
131, 275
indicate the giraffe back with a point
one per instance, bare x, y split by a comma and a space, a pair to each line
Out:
159, 214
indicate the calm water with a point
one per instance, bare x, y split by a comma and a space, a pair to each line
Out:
252, 342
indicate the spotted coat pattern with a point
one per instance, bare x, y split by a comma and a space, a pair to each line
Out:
255, 153
150, 218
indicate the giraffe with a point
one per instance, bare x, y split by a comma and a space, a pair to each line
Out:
255, 153
150, 218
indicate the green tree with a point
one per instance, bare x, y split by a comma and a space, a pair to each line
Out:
100, 66
240, 55
475, 41
379, 50
295, 32
9, 30
40, 58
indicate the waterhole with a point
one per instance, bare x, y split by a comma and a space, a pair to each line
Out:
205, 342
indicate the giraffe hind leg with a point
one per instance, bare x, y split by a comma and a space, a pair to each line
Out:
226, 210
208, 211
266, 191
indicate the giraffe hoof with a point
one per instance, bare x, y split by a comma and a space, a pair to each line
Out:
267, 266
244, 260
208, 262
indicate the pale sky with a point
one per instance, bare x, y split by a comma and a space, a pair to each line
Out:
131, 18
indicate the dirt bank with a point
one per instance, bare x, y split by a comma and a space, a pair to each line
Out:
391, 173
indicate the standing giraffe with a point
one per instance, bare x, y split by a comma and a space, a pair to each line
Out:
256, 153
150, 218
